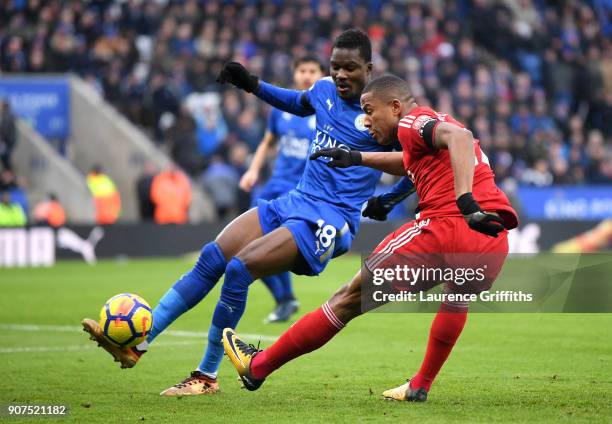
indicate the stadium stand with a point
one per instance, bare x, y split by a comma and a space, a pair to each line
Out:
532, 78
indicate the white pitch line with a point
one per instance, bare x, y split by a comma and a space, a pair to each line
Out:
34, 327
72, 348
76, 328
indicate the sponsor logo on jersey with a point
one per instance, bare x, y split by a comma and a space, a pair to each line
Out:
324, 141
294, 147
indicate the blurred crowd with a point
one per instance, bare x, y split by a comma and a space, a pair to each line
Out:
15, 209
531, 78
13, 199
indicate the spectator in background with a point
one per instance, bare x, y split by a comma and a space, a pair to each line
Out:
8, 133
238, 156
211, 129
184, 150
538, 176
8, 180
249, 128
10, 183
50, 212
106, 196
143, 191
171, 195
599, 170
163, 99
11, 214
14, 58
221, 179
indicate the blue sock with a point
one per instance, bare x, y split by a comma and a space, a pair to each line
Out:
280, 286
190, 289
170, 307
286, 286
275, 285
214, 352
228, 312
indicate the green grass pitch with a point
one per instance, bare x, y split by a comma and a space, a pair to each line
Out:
505, 367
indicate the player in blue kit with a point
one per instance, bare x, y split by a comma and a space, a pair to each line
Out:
300, 231
292, 134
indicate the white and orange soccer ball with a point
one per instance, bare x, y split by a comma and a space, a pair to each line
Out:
126, 319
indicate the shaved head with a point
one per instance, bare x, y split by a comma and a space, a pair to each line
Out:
388, 87
385, 100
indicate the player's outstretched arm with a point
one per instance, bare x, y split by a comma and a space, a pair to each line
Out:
460, 145
378, 207
293, 101
389, 162
250, 177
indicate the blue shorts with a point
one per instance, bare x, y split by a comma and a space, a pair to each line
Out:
272, 189
318, 228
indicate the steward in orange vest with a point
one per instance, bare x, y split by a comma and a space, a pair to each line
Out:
106, 196
171, 195
50, 212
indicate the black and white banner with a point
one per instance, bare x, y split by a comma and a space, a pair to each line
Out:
41, 246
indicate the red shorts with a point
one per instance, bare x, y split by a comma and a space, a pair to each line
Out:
446, 245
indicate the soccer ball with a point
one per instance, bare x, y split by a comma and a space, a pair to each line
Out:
126, 319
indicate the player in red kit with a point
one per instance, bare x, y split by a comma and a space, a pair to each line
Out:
462, 212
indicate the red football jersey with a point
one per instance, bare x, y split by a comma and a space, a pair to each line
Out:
431, 171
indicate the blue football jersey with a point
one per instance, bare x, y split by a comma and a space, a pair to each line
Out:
339, 124
293, 134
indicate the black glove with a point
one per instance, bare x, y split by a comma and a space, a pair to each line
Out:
341, 158
236, 74
476, 218
375, 209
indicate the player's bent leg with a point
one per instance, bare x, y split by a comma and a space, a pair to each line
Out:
191, 288
239, 233
447, 326
309, 333
273, 253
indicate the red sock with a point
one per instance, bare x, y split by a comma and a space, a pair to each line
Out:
445, 330
309, 333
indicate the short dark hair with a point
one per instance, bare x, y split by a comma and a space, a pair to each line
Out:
389, 87
355, 39
309, 58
